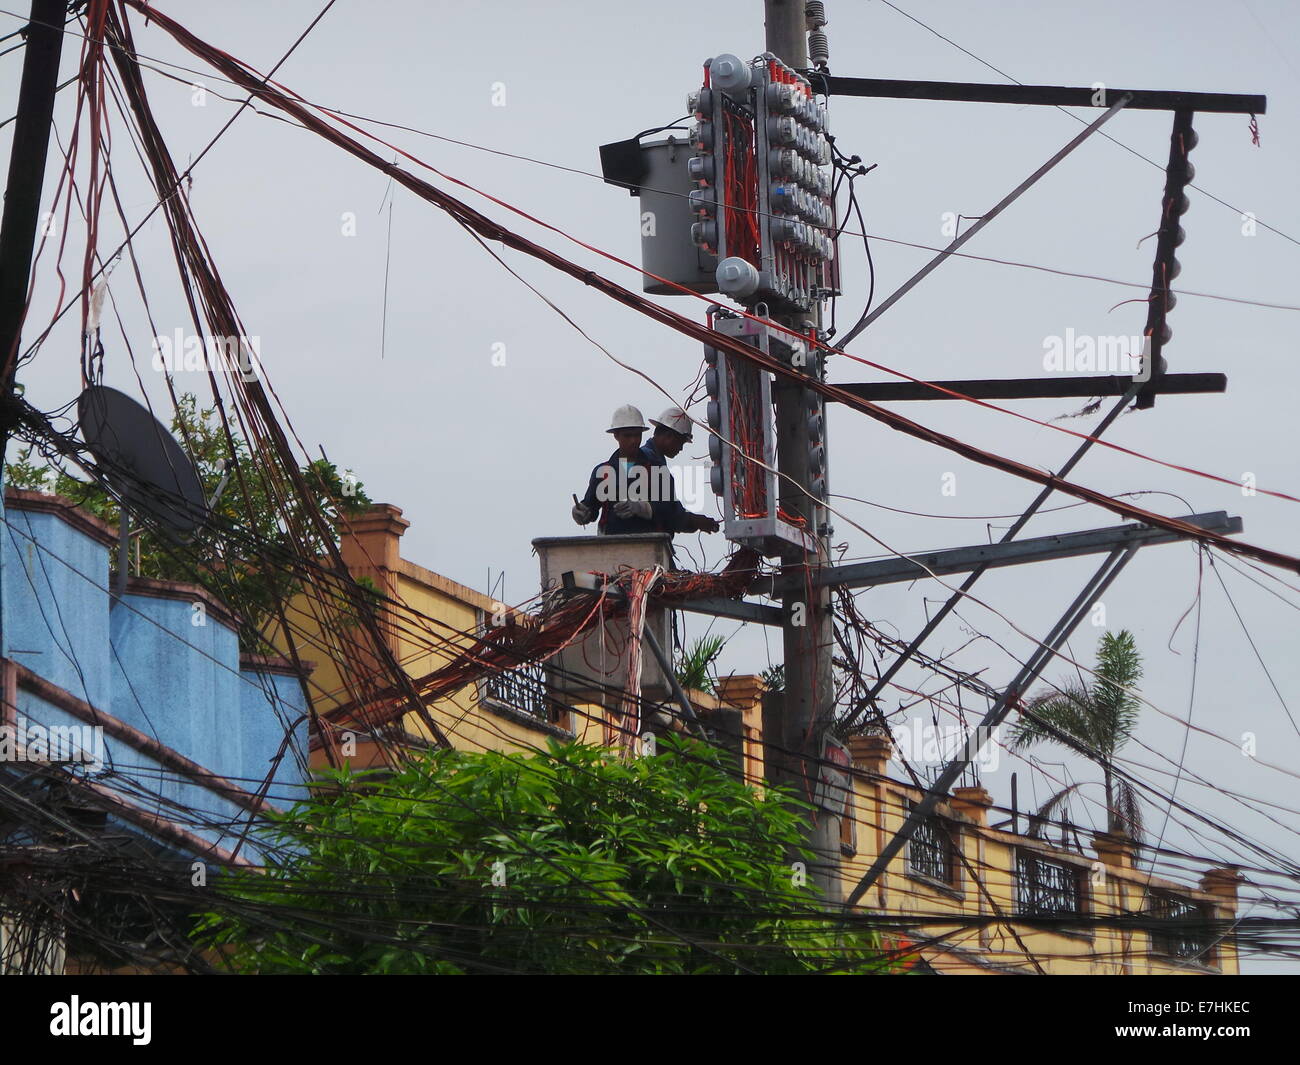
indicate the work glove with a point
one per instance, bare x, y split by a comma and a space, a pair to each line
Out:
628, 509
582, 513
703, 523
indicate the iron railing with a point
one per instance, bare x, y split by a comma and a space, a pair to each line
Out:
1045, 888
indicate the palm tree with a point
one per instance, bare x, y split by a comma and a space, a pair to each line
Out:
1096, 721
694, 668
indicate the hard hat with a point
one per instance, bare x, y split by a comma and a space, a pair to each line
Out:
674, 418
627, 417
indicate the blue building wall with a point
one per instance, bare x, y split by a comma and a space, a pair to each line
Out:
56, 602
176, 681
155, 663
272, 703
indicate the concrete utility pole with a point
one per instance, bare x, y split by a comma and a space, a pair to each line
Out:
22, 204
805, 712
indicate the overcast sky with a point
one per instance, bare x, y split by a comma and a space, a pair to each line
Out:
482, 458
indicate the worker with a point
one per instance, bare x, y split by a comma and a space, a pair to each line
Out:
619, 489
672, 433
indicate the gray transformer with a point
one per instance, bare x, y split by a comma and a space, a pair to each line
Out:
666, 216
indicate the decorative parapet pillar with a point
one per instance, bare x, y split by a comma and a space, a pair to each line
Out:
973, 802
871, 753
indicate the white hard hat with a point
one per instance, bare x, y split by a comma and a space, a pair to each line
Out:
627, 417
674, 418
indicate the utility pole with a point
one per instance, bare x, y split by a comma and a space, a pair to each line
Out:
805, 710
22, 204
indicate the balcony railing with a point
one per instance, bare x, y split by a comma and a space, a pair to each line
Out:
522, 690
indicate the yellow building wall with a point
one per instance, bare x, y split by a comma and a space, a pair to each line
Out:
880, 806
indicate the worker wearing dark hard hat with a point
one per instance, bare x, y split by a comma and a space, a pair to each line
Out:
619, 490
672, 433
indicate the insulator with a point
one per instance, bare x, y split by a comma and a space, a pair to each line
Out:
1180, 235
715, 449
1175, 268
814, 13
713, 414
711, 356
702, 136
819, 49
715, 481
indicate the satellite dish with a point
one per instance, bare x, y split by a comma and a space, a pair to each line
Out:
141, 460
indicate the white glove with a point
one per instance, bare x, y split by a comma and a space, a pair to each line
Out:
628, 509
582, 514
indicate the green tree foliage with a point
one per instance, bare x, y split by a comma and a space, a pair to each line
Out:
569, 861
1095, 720
694, 668
243, 555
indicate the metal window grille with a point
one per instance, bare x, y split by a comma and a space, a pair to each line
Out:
929, 852
1045, 887
1186, 935
522, 689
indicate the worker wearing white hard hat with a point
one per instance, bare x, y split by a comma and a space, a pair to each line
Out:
618, 491
672, 432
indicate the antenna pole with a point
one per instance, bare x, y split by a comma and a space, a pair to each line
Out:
123, 550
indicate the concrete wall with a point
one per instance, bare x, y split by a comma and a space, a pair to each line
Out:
56, 598
159, 671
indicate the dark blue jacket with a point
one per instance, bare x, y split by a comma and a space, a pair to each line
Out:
610, 524
669, 515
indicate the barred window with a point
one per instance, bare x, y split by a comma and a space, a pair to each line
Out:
1185, 934
1045, 888
931, 853
522, 689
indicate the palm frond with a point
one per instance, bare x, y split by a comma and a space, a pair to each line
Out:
1038, 821
1064, 717
694, 665
1128, 811
1119, 668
